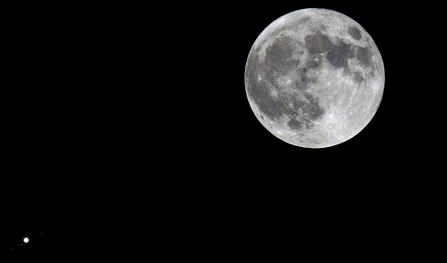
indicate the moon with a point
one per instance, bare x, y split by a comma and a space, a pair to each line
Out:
314, 78
25, 240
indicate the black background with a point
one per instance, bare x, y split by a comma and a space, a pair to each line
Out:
99, 165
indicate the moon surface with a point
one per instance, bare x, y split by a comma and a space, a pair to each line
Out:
314, 78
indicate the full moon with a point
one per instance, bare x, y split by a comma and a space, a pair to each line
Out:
25, 240
314, 78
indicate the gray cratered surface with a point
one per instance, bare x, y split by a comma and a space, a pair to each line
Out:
314, 78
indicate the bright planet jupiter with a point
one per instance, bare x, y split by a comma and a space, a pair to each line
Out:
314, 78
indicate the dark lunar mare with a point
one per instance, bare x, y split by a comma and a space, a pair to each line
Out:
317, 43
357, 76
278, 59
339, 54
277, 62
364, 56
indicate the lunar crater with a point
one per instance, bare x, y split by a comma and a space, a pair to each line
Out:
355, 33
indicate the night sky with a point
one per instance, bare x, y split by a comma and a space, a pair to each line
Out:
37, 243
221, 183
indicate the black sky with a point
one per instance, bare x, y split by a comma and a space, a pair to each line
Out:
220, 167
